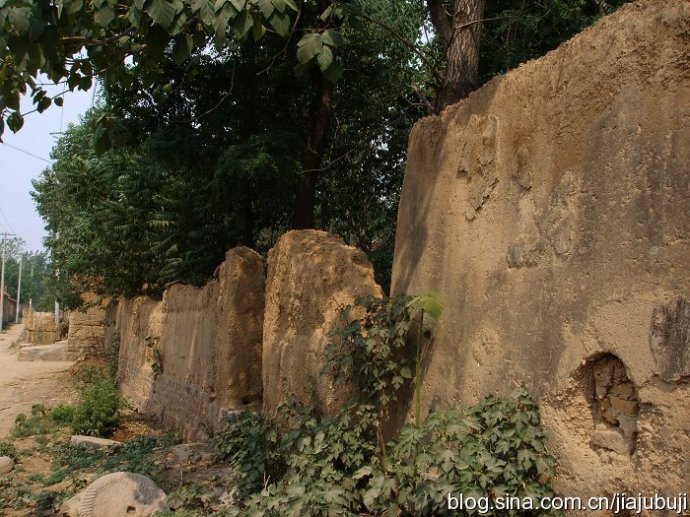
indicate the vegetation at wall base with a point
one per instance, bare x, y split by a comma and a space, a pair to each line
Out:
96, 414
306, 462
333, 465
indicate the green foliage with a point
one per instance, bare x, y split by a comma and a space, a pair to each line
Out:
39, 423
36, 275
250, 444
7, 448
132, 456
15, 495
321, 465
97, 413
88, 375
114, 356
372, 350
335, 465
215, 155
62, 415
494, 448
49, 38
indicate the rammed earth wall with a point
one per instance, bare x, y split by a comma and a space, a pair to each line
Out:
196, 355
550, 210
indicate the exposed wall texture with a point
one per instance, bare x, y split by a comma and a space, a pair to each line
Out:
40, 328
551, 211
195, 355
310, 275
90, 330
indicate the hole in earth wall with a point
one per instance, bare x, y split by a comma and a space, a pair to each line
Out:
613, 401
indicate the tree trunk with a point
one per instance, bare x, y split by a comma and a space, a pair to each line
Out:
313, 153
461, 49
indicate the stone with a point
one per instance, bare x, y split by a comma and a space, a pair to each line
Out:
626, 407
122, 493
624, 391
70, 508
52, 352
92, 442
611, 440
6, 465
40, 328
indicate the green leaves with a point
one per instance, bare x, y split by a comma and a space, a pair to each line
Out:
104, 16
163, 12
332, 38
309, 464
309, 47
206, 11
19, 19
430, 303
15, 121
183, 47
319, 47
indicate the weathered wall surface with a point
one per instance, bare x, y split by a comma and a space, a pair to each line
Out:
40, 328
195, 355
310, 275
550, 211
90, 330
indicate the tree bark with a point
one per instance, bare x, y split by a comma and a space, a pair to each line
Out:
461, 48
312, 156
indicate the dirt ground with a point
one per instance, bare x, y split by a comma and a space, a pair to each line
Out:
25, 383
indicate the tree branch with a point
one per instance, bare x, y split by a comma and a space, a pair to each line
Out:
439, 18
402, 40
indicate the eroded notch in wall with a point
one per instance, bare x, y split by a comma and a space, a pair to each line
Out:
614, 402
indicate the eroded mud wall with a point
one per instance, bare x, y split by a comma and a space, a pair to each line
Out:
311, 274
91, 329
551, 211
40, 328
196, 355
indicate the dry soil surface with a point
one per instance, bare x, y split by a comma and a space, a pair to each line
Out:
25, 383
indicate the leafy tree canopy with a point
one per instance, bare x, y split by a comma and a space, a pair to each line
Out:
71, 41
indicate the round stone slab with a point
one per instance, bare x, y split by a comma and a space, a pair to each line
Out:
122, 493
6, 465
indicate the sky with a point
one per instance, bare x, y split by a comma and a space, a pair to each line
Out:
23, 157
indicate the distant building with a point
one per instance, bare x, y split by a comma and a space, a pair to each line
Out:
9, 308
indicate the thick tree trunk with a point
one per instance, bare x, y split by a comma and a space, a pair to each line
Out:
461, 36
313, 154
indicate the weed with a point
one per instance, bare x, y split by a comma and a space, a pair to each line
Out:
62, 415
7, 448
97, 413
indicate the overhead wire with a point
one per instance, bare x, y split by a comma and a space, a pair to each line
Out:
27, 152
8, 226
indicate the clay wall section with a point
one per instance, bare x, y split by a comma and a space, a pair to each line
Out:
194, 356
550, 211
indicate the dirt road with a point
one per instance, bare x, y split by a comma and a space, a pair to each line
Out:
23, 384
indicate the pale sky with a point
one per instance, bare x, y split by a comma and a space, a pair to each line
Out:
17, 210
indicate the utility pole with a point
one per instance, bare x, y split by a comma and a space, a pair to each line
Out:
2, 278
19, 289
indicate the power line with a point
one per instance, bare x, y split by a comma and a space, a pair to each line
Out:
8, 225
27, 152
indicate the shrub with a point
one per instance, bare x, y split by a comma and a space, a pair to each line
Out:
251, 445
62, 415
98, 412
315, 464
36, 424
8, 449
